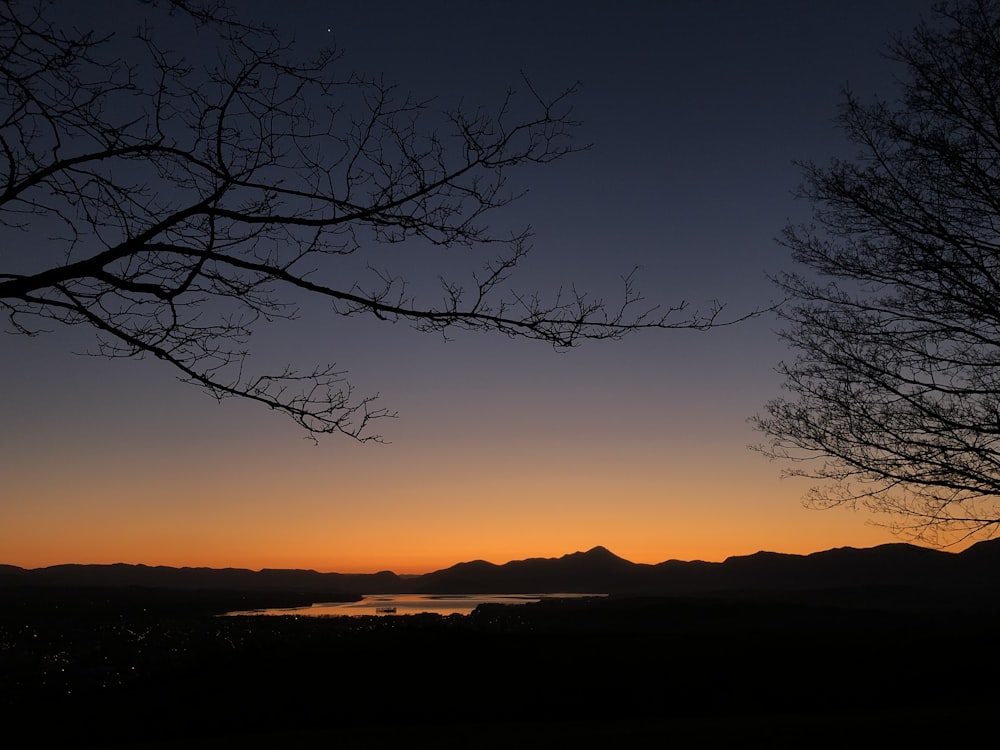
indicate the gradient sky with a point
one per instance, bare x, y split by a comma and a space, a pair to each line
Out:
502, 449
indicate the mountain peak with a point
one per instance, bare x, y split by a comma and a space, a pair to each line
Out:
597, 553
597, 558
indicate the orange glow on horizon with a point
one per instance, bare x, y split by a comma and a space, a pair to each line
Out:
359, 509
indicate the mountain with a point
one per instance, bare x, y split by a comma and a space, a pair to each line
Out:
201, 579
600, 571
596, 571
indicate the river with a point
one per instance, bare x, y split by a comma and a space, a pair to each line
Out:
410, 604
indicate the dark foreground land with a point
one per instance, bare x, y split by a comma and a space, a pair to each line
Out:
146, 668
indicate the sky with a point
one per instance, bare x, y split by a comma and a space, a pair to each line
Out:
502, 449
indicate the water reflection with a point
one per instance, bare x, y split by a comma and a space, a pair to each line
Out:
411, 604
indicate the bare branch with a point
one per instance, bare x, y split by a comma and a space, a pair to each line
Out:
175, 208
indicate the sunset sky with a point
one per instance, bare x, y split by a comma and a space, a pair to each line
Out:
502, 449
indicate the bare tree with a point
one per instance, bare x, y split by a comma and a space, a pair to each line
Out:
895, 318
173, 206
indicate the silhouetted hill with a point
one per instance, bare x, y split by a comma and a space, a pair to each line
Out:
594, 571
193, 579
598, 571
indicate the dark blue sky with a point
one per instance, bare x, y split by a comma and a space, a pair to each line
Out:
502, 449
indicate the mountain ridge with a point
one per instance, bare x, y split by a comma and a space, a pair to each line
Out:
596, 571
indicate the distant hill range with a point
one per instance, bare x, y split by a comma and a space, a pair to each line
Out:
596, 571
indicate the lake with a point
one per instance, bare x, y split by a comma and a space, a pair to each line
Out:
411, 604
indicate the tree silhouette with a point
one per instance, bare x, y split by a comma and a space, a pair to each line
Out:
895, 316
173, 206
